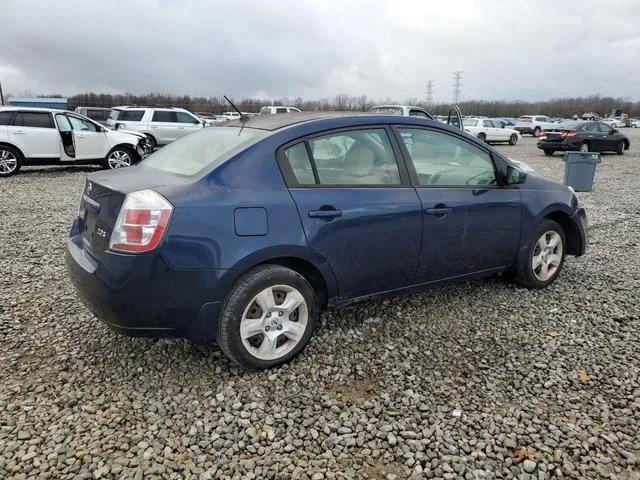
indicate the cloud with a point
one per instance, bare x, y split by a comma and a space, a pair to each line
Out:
319, 48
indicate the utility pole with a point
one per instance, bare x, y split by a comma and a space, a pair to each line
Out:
429, 92
1, 95
457, 85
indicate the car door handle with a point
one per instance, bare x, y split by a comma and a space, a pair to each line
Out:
154, 127
439, 211
81, 136
180, 128
19, 132
326, 214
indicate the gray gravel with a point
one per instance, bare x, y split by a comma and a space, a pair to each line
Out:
479, 380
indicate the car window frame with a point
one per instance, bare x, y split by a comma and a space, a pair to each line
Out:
413, 174
194, 122
52, 124
292, 182
98, 127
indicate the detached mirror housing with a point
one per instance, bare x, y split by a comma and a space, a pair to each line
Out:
515, 176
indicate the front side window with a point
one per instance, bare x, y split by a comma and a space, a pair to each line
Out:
604, 128
164, 116
33, 119
203, 150
487, 123
183, 117
63, 123
358, 157
130, 115
442, 160
281, 110
591, 127
80, 125
470, 122
300, 164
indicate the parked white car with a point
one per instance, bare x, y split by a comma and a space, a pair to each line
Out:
533, 124
614, 122
162, 125
40, 136
273, 109
488, 130
635, 123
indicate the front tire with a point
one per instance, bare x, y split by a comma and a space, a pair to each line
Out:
119, 157
549, 153
541, 264
10, 161
482, 137
268, 318
620, 147
536, 132
513, 139
584, 147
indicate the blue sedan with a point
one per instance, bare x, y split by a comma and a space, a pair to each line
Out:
242, 234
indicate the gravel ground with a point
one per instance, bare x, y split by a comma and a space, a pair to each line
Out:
479, 380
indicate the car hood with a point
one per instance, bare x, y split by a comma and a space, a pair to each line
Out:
131, 132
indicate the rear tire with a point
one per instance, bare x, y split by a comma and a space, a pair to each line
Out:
10, 161
549, 153
482, 137
154, 144
620, 147
542, 262
536, 132
584, 147
256, 328
513, 139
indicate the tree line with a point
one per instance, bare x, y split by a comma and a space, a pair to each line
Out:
560, 107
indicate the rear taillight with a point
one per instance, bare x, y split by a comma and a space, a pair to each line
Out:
543, 133
568, 134
141, 224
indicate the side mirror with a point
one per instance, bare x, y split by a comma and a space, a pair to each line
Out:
118, 125
515, 176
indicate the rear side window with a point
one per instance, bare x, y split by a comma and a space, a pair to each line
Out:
358, 157
265, 111
281, 110
298, 161
418, 113
5, 117
33, 119
99, 115
203, 150
131, 115
164, 116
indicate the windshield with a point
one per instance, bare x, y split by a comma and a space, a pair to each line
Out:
201, 150
470, 122
391, 110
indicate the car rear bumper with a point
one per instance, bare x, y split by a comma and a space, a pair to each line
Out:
141, 295
558, 146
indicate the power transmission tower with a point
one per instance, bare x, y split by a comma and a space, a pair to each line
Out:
457, 85
429, 92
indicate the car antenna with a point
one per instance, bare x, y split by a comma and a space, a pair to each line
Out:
243, 118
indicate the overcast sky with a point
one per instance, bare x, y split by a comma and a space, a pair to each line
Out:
508, 49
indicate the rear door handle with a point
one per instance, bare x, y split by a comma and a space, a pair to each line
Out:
19, 132
82, 136
154, 127
328, 214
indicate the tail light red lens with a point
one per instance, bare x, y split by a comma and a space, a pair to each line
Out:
141, 223
543, 133
568, 134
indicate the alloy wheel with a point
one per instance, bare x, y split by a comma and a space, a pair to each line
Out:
8, 162
584, 147
547, 255
274, 322
119, 159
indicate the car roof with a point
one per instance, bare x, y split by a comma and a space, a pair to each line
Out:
284, 120
13, 108
398, 106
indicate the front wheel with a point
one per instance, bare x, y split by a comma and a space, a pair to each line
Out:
540, 265
549, 153
482, 137
584, 147
119, 157
620, 147
536, 132
513, 139
268, 318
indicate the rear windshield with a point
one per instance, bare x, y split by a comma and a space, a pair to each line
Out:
391, 110
202, 150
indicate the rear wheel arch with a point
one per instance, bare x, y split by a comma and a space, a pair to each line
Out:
7, 144
309, 271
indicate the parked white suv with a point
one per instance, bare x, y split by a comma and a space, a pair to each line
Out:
40, 136
162, 125
534, 124
273, 109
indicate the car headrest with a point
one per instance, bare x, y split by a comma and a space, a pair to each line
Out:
359, 161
